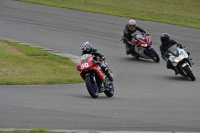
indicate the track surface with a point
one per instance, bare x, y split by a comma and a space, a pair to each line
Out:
148, 97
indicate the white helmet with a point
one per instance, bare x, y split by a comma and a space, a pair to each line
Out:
132, 24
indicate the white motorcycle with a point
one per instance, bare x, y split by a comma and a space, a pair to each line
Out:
180, 60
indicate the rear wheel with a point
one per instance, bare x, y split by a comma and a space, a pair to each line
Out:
92, 86
189, 72
154, 56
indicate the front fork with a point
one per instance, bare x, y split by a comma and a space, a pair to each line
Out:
179, 67
183, 65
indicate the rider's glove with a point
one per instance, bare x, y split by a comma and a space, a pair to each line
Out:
135, 41
103, 58
179, 45
166, 59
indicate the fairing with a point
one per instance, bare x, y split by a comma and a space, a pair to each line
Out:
86, 65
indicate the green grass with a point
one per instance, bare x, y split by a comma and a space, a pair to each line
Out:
23, 64
28, 131
176, 12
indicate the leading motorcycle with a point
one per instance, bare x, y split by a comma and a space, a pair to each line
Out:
181, 61
93, 75
141, 46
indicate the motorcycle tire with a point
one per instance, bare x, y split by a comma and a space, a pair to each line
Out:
189, 72
92, 86
154, 56
109, 92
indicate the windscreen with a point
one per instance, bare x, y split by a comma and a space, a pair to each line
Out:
139, 37
85, 57
173, 50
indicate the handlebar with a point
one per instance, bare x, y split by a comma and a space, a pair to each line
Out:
97, 60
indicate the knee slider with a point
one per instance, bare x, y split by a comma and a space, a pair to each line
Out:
106, 69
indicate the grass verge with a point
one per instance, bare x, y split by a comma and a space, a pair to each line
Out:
176, 12
28, 131
25, 65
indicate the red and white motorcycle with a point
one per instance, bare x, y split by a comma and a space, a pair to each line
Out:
141, 46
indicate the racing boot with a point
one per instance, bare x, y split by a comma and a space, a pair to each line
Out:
108, 74
128, 49
107, 83
176, 73
128, 52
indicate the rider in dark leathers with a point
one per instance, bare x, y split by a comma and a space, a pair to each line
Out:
166, 43
88, 49
130, 28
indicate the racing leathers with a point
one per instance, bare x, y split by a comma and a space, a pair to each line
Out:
128, 36
164, 48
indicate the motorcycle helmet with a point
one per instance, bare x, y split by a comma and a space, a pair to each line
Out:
87, 47
132, 24
164, 38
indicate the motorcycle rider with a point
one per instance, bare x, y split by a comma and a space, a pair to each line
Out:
88, 49
130, 28
166, 43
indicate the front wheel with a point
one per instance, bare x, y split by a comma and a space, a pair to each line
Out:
189, 72
154, 56
92, 86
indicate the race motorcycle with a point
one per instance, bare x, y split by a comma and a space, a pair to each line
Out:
93, 75
181, 61
141, 46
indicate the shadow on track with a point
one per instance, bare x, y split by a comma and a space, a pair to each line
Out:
101, 96
139, 60
175, 78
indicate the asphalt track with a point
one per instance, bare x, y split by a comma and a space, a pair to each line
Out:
148, 97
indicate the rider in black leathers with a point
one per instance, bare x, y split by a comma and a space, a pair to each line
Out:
166, 43
88, 49
130, 28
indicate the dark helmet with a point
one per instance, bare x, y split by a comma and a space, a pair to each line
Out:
87, 47
164, 38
